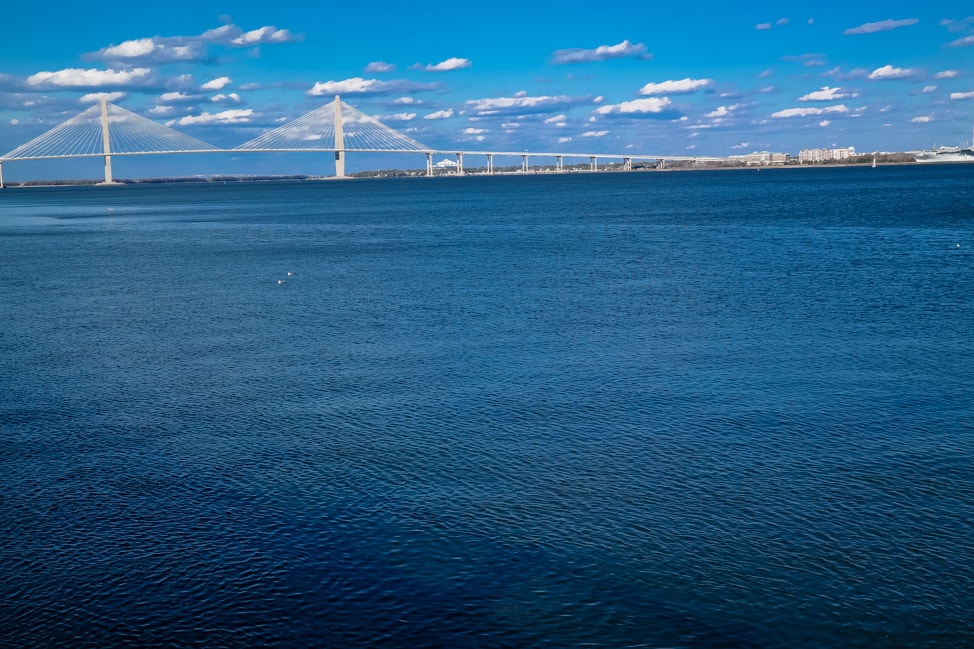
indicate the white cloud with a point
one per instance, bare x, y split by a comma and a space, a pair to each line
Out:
675, 87
93, 97
881, 26
74, 77
562, 140
781, 21
14, 121
176, 96
130, 49
824, 123
406, 100
235, 116
474, 131
379, 66
440, 114
929, 89
889, 72
161, 110
560, 121
496, 104
805, 112
595, 133
358, 85
923, 119
216, 84
232, 98
962, 95
650, 105
722, 111
624, 49
946, 74
763, 26
401, 117
449, 64
825, 94
264, 35
962, 42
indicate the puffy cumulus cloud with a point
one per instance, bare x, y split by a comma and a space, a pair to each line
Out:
174, 49
825, 94
648, 106
177, 97
723, 111
232, 98
235, 116
923, 119
805, 112
890, 72
560, 121
625, 49
378, 66
161, 110
400, 117
440, 114
675, 87
216, 84
595, 133
474, 131
263, 35
880, 26
360, 86
152, 50
962, 95
409, 101
521, 103
93, 97
929, 89
449, 64
77, 78
824, 123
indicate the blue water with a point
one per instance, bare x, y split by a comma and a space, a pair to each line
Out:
701, 409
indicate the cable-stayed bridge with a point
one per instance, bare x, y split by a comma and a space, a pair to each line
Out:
106, 130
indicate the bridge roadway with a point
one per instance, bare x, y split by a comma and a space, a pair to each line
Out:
525, 156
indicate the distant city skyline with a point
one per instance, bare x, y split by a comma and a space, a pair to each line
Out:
703, 79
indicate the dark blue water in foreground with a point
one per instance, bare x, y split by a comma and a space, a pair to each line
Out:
702, 409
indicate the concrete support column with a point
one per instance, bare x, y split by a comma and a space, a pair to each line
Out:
595, 163
1, 175
460, 163
339, 140
490, 164
429, 164
524, 163
627, 164
559, 163
106, 144
660, 163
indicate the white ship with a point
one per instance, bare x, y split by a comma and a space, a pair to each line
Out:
947, 154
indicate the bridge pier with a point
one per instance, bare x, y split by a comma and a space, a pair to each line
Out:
559, 163
1, 175
106, 144
460, 163
524, 163
429, 164
339, 140
627, 164
595, 163
490, 164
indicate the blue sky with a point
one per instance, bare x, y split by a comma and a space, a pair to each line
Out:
669, 78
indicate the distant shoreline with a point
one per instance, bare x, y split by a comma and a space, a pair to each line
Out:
469, 173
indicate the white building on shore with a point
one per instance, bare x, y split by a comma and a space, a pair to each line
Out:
762, 158
825, 155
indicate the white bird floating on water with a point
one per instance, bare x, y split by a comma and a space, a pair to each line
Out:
280, 282
290, 273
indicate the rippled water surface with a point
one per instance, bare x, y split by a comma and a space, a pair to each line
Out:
701, 409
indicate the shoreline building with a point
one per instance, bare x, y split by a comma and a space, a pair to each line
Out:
825, 155
764, 158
